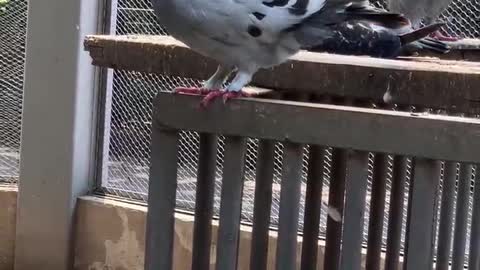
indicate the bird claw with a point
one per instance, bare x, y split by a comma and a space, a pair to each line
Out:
226, 95
441, 37
210, 95
191, 91
229, 95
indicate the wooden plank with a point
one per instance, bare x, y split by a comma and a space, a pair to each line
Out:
335, 200
354, 212
461, 217
286, 255
202, 230
474, 254
231, 203
262, 205
467, 49
313, 205
161, 199
455, 138
466, 44
377, 211
438, 165
446, 216
420, 239
397, 196
430, 83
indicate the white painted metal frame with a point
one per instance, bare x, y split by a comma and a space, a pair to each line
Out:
105, 98
58, 130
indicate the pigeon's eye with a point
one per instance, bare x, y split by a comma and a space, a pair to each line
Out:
254, 31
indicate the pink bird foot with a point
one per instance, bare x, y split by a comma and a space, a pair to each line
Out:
226, 95
210, 95
191, 91
441, 37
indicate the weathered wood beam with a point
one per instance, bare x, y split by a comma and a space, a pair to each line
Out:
426, 82
472, 44
465, 49
440, 137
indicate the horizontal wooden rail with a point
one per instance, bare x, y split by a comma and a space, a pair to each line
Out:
409, 134
426, 82
465, 49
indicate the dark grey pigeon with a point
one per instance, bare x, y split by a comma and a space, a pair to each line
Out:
418, 10
246, 35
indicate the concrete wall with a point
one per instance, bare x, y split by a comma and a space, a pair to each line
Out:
8, 207
109, 235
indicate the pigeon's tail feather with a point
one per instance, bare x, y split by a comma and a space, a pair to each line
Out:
361, 29
426, 44
434, 45
420, 33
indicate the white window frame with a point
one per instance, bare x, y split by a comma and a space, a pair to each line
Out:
59, 129
105, 99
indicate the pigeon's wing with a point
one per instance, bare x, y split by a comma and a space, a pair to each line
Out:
273, 17
416, 10
337, 11
234, 20
341, 14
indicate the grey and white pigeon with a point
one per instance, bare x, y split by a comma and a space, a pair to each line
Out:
246, 35
418, 10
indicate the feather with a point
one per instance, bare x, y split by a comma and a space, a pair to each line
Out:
245, 35
416, 10
419, 33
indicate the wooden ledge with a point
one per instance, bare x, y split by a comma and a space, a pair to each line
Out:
410, 134
466, 44
464, 49
426, 82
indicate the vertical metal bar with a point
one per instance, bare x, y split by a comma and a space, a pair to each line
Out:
262, 205
335, 200
461, 216
161, 199
202, 231
395, 220
286, 255
356, 189
419, 244
313, 204
377, 211
446, 216
474, 254
231, 203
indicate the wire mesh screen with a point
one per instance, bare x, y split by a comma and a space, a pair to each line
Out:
13, 25
462, 17
130, 122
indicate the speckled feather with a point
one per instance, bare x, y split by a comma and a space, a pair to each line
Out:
245, 35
